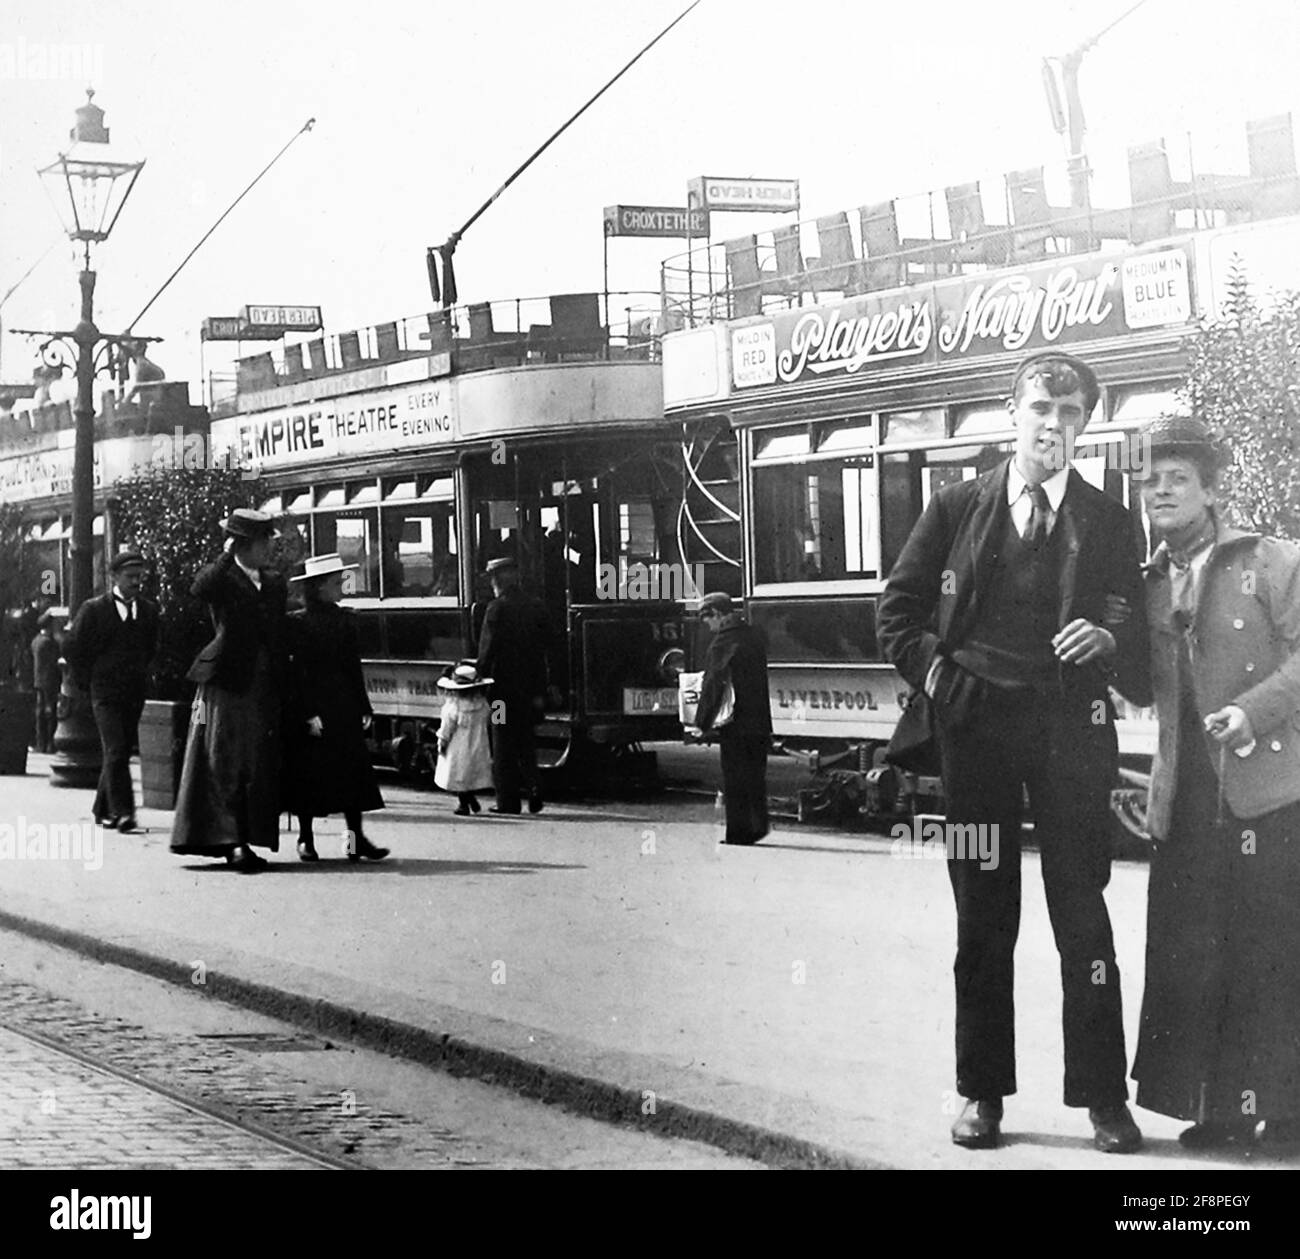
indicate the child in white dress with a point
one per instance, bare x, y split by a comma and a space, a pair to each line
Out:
464, 757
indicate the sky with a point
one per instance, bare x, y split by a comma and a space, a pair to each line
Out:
423, 108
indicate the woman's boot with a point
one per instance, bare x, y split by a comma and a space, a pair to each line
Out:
306, 841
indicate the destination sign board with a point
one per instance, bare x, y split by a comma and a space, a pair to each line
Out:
290, 318
655, 220
235, 328
717, 192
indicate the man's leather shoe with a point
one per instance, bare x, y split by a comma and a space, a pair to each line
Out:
1114, 1131
535, 802
129, 826
108, 823
307, 850
979, 1126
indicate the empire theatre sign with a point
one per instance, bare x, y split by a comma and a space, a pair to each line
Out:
1036, 308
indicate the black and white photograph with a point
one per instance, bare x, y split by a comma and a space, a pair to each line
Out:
700, 586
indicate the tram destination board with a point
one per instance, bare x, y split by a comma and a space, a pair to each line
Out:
655, 220
286, 318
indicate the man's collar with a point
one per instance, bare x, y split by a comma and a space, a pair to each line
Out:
117, 594
254, 575
1055, 485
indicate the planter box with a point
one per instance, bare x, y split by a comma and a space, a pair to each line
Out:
164, 725
17, 727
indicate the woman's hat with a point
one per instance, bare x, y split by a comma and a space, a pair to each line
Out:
323, 566
244, 522
463, 677
1182, 435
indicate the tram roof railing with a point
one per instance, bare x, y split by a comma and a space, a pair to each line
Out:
1021, 217
564, 327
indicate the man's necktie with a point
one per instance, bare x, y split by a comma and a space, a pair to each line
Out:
128, 604
1036, 531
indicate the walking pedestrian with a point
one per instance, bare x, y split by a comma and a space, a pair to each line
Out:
228, 802
464, 757
46, 679
1220, 1034
736, 658
513, 650
994, 612
110, 645
329, 764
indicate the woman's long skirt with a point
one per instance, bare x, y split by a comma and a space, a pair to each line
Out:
230, 780
1220, 1036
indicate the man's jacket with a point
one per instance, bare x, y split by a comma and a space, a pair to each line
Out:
90, 649
933, 595
1244, 644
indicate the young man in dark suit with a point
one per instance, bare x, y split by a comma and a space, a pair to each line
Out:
995, 610
110, 644
512, 649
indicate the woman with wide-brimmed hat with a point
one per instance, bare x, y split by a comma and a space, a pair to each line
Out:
228, 802
329, 764
1220, 1035
464, 753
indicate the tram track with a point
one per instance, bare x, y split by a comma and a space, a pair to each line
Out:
181, 1098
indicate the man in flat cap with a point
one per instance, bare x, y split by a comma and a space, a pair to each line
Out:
1220, 1040
109, 647
994, 612
512, 649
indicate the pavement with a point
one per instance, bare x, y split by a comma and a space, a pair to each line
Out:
790, 1002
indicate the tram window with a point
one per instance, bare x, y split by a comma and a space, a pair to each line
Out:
420, 550
782, 445
272, 505
362, 492
818, 521
900, 503
352, 535
897, 427
849, 435
297, 502
423, 636
1137, 406
398, 487
984, 417
439, 487
330, 496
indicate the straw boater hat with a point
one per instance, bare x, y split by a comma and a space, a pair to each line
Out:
464, 677
323, 566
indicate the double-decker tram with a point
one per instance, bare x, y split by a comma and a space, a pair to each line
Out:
822, 404
462, 437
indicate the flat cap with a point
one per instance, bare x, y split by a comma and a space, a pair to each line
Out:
501, 564
125, 559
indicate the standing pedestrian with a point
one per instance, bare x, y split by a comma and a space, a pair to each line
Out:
994, 612
110, 644
736, 656
1220, 1034
512, 650
464, 757
329, 764
46, 650
228, 802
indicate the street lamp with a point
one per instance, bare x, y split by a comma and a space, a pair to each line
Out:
89, 185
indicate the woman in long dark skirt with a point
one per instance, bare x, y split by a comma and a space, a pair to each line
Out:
228, 802
329, 765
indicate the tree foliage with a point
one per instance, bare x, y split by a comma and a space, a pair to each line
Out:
1244, 381
173, 516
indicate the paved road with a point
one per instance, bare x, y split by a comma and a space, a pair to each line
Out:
802, 987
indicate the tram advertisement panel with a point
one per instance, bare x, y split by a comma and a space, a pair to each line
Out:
1059, 302
835, 702
411, 417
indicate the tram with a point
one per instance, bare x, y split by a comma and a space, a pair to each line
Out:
822, 402
514, 429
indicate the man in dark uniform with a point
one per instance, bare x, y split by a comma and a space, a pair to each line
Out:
512, 649
995, 611
737, 656
110, 644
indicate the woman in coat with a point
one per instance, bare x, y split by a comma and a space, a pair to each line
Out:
228, 802
329, 764
737, 655
1220, 1035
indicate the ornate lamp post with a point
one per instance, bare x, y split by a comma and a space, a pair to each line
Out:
89, 185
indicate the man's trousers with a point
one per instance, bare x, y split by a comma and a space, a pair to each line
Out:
119, 722
1063, 753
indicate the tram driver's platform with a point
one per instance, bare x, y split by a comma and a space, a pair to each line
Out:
790, 1001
